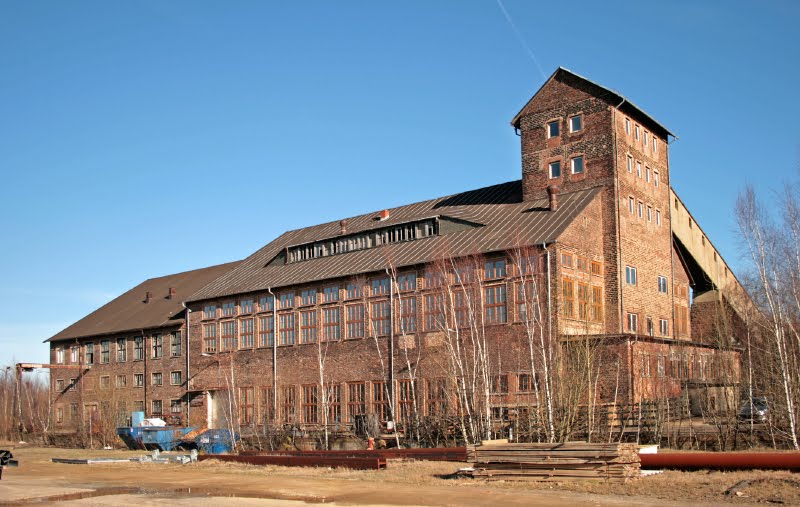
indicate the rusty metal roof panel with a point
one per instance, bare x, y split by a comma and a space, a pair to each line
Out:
504, 221
130, 312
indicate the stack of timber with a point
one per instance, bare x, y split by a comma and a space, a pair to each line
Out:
499, 460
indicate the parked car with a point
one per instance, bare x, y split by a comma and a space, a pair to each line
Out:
755, 409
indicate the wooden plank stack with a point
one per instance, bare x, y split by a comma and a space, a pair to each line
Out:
500, 460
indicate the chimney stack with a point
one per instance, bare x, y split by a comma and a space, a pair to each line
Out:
552, 193
148, 296
343, 225
383, 215
172, 293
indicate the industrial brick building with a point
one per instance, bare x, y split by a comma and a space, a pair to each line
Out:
479, 306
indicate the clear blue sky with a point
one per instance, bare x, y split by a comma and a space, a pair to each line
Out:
139, 139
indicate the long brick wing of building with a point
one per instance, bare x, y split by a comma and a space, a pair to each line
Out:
470, 307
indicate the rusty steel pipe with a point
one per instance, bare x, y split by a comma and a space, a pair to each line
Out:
723, 460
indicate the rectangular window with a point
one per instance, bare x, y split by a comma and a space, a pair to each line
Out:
210, 312
267, 413
308, 326
380, 318
636, 132
664, 327
289, 406
138, 348
380, 404
74, 353
354, 290
310, 404
638, 169
286, 328
138, 379
175, 344
461, 309
566, 259
330, 294
526, 301
246, 333
308, 297
597, 305
228, 335
655, 144
658, 217
157, 346
555, 169
209, 338
631, 205
582, 264
630, 275
122, 381
408, 315
138, 406
89, 353
500, 384
157, 408
495, 298
655, 178
330, 324
524, 383
405, 400
105, 352
266, 303
333, 394
641, 209
246, 306
597, 269
644, 368
568, 308
356, 400
434, 313
59, 355
72, 383
494, 269
380, 286
649, 213
407, 282
156, 379
576, 123
576, 164
553, 129
662, 284
355, 321
434, 278
247, 406
646, 138
287, 300
661, 365
175, 407
627, 126
647, 174
437, 397
266, 331
630, 164
228, 309
633, 322
584, 301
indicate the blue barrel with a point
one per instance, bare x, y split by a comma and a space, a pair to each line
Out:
137, 418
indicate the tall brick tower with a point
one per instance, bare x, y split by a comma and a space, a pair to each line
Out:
578, 134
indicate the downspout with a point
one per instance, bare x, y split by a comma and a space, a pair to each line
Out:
144, 375
391, 347
188, 403
274, 355
549, 304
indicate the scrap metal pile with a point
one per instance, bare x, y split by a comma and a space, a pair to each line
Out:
499, 460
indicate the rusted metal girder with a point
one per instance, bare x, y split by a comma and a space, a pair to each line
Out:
302, 461
722, 460
430, 454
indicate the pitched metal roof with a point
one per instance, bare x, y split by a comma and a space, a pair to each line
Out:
625, 103
505, 222
130, 312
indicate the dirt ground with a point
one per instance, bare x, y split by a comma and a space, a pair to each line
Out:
402, 483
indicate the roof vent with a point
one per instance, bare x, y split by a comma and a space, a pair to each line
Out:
343, 226
148, 296
382, 215
172, 293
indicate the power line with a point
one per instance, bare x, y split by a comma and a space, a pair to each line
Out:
520, 38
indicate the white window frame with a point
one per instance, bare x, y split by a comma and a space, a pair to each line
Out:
631, 276
640, 207
571, 118
636, 132
662, 284
638, 169
633, 322
632, 205
628, 126
655, 178
547, 128
572, 165
550, 169
663, 327
658, 217
649, 213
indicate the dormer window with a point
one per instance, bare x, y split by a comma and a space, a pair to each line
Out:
553, 129
576, 123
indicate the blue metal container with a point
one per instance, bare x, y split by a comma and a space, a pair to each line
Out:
137, 418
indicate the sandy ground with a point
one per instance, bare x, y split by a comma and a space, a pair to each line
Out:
402, 483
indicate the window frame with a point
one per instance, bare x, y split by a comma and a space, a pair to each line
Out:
631, 276
570, 121
548, 128
556, 164
572, 164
